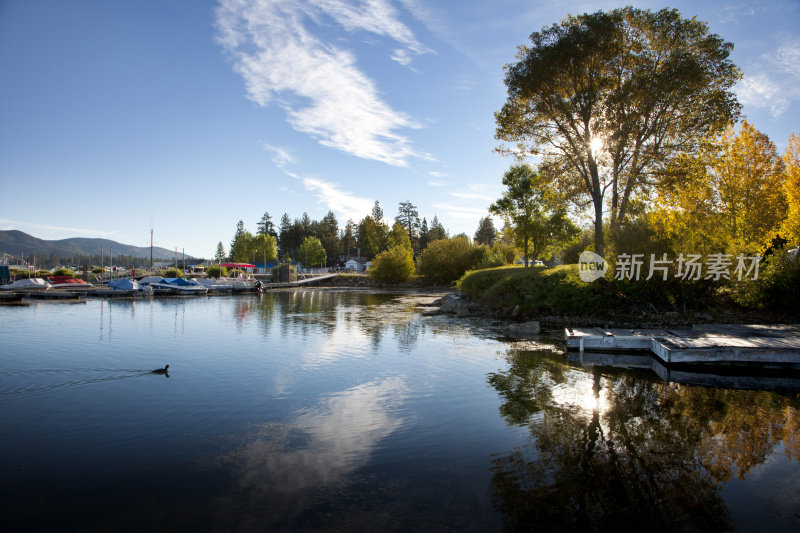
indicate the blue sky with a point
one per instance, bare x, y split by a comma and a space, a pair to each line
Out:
187, 116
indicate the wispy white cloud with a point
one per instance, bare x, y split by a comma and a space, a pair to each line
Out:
280, 156
27, 226
437, 174
434, 183
274, 47
472, 196
462, 212
402, 57
345, 204
774, 81
375, 16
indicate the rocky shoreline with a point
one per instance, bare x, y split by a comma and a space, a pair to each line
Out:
461, 306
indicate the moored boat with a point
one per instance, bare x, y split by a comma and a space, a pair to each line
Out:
27, 284
179, 286
68, 282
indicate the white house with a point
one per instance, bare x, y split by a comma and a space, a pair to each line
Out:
358, 266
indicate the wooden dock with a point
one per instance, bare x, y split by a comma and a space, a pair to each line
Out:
762, 345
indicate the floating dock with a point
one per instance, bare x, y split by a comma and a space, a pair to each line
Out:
763, 345
770, 380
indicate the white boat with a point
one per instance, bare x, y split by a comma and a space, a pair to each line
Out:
214, 285
238, 284
27, 284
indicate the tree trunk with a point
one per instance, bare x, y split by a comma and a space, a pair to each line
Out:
598, 228
526, 250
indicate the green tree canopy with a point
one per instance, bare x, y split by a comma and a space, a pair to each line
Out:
327, 230
398, 237
371, 237
535, 222
311, 253
608, 98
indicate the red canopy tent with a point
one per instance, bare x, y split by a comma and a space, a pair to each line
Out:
237, 265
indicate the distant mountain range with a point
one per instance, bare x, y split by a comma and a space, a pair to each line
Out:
17, 243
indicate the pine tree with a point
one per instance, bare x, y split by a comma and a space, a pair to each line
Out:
377, 213
437, 231
220, 255
285, 234
424, 236
238, 234
486, 233
265, 226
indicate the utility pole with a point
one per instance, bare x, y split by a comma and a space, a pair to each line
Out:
151, 249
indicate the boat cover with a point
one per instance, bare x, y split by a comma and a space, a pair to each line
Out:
125, 284
181, 282
27, 284
151, 279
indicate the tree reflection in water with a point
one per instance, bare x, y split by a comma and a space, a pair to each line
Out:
632, 453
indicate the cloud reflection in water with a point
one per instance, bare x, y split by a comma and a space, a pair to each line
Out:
283, 469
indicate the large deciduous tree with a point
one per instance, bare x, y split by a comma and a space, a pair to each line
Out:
730, 195
608, 98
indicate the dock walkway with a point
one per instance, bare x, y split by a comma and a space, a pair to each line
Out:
307, 281
764, 345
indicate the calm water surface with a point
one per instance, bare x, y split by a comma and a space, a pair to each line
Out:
350, 411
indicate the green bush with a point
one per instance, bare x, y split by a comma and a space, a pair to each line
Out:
216, 271
446, 260
64, 272
394, 265
173, 273
560, 291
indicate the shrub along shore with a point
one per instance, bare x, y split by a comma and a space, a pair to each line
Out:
558, 296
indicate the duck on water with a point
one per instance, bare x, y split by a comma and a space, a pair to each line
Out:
164, 371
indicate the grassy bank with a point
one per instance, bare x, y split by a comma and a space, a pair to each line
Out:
559, 291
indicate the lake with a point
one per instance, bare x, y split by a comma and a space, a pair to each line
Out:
351, 411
